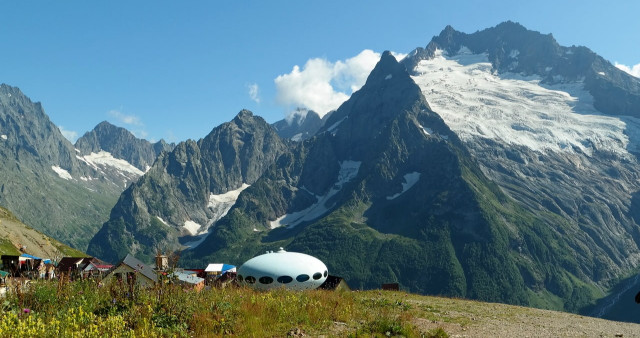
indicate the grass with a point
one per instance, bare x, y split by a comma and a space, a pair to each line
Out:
85, 308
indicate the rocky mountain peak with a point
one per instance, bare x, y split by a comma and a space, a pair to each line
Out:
388, 90
513, 49
301, 124
121, 144
244, 115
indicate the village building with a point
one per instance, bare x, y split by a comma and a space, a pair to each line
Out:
25, 265
214, 271
82, 267
188, 279
132, 270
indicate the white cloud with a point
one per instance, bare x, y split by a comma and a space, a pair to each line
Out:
254, 92
399, 56
322, 85
135, 125
126, 119
70, 135
633, 70
140, 133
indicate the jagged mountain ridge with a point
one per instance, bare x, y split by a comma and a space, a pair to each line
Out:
62, 191
510, 47
41, 179
121, 144
568, 145
401, 200
299, 125
188, 189
565, 238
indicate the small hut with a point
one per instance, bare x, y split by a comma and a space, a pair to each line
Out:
335, 283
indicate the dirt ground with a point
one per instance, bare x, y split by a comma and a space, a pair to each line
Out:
463, 318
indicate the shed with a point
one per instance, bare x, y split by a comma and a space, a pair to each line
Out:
391, 286
335, 283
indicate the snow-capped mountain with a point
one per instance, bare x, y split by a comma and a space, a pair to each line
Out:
188, 189
41, 178
386, 191
115, 153
299, 125
556, 127
64, 191
496, 165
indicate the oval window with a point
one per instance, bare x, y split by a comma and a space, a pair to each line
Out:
240, 278
326, 273
250, 279
285, 279
317, 276
302, 278
265, 280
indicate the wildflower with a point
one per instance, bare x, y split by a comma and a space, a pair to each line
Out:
26, 311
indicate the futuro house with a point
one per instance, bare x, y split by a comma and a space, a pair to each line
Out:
291, 270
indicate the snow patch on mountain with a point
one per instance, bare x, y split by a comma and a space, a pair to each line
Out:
410, 180
220, 204
475, 102
105, 158
61, 172
161, 220
333, 129
426, 131
348, 170
192, 227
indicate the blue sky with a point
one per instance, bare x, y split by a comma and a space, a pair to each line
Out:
175, 70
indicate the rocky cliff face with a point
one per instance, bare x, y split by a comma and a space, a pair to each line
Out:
385, 192
188, 189
299, 125
511, 48
121, 144
516, 183
555, 127
41, 178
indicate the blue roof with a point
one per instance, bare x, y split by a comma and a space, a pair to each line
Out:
45, 260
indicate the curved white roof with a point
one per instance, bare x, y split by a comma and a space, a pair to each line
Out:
283, 264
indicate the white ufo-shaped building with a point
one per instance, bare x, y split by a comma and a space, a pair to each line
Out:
291, 270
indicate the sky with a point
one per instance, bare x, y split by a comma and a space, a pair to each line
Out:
175, 70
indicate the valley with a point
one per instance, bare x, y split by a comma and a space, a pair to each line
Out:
475, 167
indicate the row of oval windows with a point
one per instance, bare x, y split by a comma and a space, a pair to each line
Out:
282, 279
